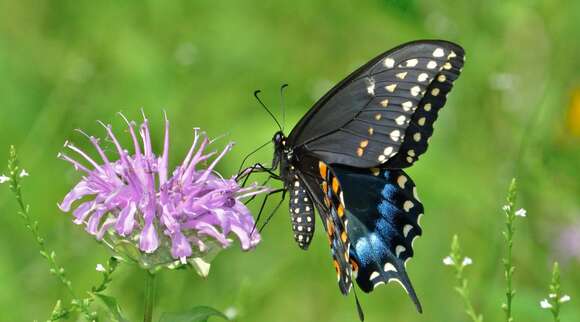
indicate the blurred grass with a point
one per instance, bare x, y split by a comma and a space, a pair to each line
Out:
64, 65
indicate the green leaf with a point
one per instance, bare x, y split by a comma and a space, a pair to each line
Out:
112, 306
196, 314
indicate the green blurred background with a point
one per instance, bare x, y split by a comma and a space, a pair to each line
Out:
514, 111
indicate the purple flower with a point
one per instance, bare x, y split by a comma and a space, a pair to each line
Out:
138, 208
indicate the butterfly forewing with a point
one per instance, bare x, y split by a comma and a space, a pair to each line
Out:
367, 119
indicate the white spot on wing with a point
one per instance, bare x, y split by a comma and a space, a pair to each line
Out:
438, 52
422, 77
401, 181
415, 90
374, 275
412, 62
400, 120
417, 137
391, 88
407, 106
389, 62
395, 135
407, 205
370, 86
389, 267
399, 249
431, 64
406, 230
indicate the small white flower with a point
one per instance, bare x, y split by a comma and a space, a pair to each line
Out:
521, 212
231, 313
466, 261
506, 208
100, 268
4, 178
565, 298
23, 173
544, 304
552, 295
448, 261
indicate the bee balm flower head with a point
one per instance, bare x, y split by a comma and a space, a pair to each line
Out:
156, 217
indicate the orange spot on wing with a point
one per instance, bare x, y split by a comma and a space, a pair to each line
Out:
336, 266
354, 265
335, 185
329, 227
327, 202
325, 187
340, 211
343, 237
323, 169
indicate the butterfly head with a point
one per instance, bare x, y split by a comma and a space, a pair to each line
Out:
279, 141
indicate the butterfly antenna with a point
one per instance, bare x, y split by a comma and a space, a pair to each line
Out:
359, 309
251, 153
283, 105
267, 110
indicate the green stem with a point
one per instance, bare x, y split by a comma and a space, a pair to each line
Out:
149, 297
509, 239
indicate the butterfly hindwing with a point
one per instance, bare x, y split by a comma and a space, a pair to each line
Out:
383, 212
376, 112
332, 213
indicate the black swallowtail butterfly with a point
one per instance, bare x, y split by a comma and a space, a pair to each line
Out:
346, 157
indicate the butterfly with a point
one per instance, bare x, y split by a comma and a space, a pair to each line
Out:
345, 158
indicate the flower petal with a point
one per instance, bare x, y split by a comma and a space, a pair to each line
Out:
126, 220
148, 240
448, 261
81, 190
179, 245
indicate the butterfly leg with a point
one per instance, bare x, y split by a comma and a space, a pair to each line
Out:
264, 204
254, 196
275, 209
256, 168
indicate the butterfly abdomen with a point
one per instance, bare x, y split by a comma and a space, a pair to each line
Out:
301, 214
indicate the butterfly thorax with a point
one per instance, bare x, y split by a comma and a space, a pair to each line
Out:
282, 157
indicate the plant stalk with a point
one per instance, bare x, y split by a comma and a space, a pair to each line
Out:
149, 297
